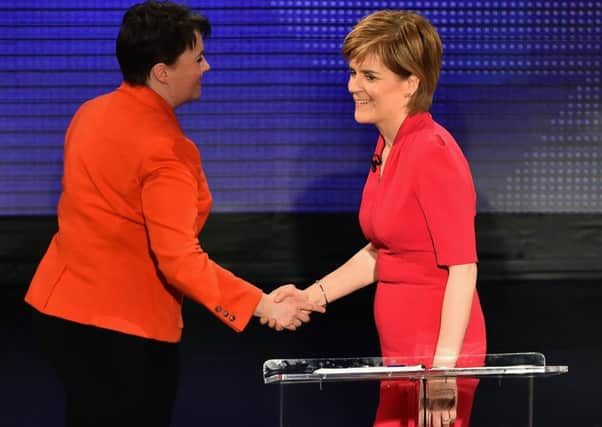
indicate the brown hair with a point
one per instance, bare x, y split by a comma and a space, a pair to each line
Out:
406, 43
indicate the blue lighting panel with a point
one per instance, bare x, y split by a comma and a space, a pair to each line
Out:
520, 90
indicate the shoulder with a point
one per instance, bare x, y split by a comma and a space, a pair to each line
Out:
433, 142
437, 155
141, 122
92, 106
430, 135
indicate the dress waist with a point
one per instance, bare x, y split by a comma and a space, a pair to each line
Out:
417, 268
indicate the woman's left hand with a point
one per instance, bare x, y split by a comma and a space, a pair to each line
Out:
441, 402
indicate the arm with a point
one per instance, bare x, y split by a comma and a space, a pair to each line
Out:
171, 199
359, 271
455, 313
446, 194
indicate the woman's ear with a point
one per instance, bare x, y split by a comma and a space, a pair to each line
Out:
413, 83
159, 73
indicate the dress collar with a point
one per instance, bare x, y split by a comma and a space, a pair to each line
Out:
148, 97
409, 125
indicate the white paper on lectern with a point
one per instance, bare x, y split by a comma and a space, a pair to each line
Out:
369, 370
510, 369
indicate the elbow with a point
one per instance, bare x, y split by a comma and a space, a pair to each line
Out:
171, 269
175, 261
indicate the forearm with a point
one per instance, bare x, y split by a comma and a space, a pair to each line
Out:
455, 313
358, 272
169, 196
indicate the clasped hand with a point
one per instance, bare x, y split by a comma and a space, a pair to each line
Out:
287, 308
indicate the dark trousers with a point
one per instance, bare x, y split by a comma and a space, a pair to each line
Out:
110, 379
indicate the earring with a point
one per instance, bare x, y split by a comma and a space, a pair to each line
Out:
409, 95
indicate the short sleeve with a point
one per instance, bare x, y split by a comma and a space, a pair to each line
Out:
447, 197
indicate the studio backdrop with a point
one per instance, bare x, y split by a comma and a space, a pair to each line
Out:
520, 90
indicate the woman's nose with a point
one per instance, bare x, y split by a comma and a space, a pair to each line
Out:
352, 84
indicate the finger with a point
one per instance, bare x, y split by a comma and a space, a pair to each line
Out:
435, 419
306, 305
263, 320
319, 308
291, 327
297, 323
303, 316
453, 415
272, 323
446, 419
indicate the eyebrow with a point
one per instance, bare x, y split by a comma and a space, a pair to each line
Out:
366, 71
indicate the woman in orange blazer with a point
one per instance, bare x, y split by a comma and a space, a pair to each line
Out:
134, 199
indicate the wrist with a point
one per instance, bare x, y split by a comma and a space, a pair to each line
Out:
261, 310
313, 294
444, 362
323, 301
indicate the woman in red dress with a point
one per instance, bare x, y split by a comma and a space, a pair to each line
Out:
417, 211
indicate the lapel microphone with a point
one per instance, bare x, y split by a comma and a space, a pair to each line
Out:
375, 161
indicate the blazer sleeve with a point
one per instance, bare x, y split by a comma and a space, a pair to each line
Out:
447, 197
170, 204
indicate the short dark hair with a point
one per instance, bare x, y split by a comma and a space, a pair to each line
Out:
153, 32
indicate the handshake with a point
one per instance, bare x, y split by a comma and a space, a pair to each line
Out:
286, 308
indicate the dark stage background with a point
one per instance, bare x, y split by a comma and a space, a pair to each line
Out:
539, 286
520, 90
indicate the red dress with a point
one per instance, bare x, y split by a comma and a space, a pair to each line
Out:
420, 216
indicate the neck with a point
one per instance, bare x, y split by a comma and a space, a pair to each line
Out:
161, 90
389, 130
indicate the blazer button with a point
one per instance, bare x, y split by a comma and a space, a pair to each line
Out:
232, 318
226, 313
218, 308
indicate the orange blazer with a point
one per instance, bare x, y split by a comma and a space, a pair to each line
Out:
133, 202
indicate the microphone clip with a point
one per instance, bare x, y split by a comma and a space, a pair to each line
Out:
375, 161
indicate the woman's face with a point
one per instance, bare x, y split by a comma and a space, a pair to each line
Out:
381, 96
186, 73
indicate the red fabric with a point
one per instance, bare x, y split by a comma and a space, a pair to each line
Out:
420, 216
134, 200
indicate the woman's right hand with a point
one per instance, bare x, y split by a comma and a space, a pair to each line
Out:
286, 308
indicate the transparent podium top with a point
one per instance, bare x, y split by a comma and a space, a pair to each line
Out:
286, 371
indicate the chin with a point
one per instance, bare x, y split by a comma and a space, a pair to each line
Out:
363, 118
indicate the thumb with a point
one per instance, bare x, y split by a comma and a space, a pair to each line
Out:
283, 292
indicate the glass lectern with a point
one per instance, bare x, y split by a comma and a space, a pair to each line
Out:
289, 372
